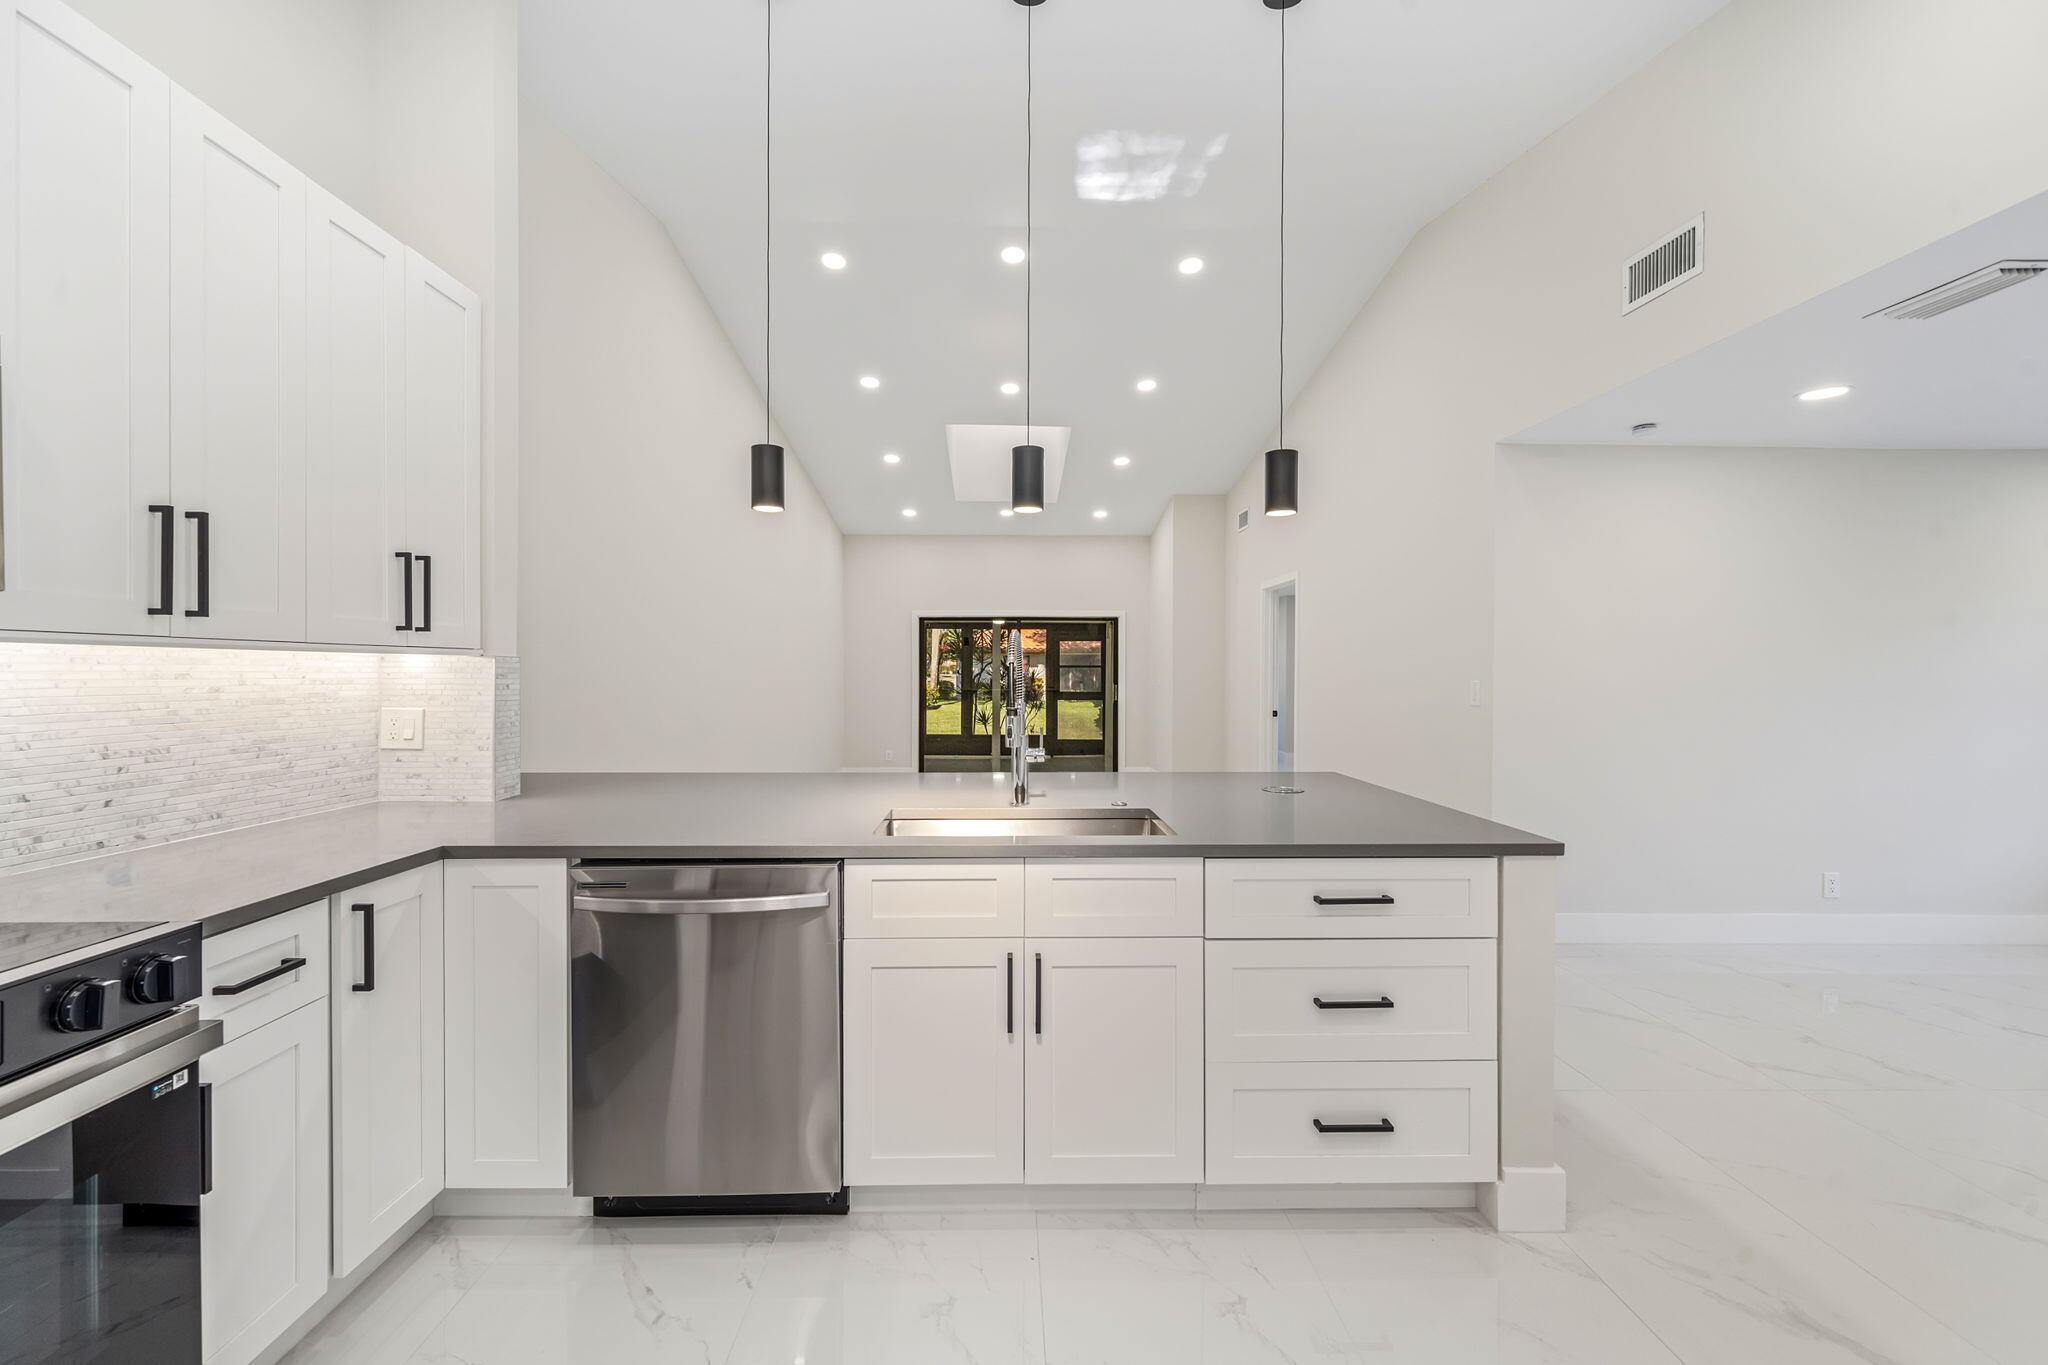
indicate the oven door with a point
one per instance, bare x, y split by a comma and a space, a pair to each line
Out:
105, 1158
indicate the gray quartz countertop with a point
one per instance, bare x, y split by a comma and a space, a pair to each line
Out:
224, 880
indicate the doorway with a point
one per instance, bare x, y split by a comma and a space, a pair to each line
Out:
1281, 652
1070, 667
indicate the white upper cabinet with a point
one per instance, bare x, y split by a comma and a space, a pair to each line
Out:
84, 328
238, 381
443, 413
355, 447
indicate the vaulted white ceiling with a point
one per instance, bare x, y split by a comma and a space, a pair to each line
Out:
899, 142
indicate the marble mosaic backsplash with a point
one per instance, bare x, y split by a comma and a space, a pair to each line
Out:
107, 747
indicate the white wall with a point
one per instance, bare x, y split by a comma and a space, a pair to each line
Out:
664, 624
1185, 701
1722, 673
893, 580
1789, 123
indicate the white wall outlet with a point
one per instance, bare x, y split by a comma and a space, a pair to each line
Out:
402, 727
888, 755
1473, 698
1831, 886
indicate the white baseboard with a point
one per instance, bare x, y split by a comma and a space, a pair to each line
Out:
1526, 1199
1752, 927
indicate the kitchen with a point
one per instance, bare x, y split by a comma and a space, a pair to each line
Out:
570, 797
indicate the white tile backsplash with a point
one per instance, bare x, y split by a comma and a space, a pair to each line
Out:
106, 747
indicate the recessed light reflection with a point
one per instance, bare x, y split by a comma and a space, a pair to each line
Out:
892, 458
910, 511
1144, 385
1012, 390
1003, 512
1013, 255
1191, 265
832, 260
1121, 461
1101, 512
1823, 393
868, 381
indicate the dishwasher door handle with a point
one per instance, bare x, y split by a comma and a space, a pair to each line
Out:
742, 905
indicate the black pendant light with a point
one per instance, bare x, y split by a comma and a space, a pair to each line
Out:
1027, 462
1283, 465
767, 479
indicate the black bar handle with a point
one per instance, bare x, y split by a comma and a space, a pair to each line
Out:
205, 1137
1383, 1003
1009, 993
1383, 1126
1038, 992
290, 964
405, 568
369, 914
426, 592
203, 548
166, 560
1352, 900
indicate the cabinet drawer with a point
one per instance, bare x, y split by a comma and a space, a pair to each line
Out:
241, 956
1352, 897
1342, 1000
1262, 1122
935, 900
1099, 898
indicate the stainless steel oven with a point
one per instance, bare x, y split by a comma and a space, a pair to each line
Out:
104, 1154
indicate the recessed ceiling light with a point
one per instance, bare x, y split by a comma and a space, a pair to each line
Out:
1013, 255
832, 260
868, 381
1101, 512
1191, 265
1013, 389
1147, 385
892, 458
1823, 393
1121, 461
1001, 512
910, 511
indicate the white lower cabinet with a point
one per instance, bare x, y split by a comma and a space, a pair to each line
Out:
388, 1095
508, 1024
264, 1256
1328, 1123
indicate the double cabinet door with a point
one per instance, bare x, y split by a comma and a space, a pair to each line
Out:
1056, 1061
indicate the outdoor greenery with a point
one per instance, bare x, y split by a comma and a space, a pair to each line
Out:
1078, 719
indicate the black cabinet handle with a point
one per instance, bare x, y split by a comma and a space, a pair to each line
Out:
1383, 1003
1038, 992
1383, 1126
205, 1137
290, 964
369, 914
426, 563
1009, 993
166, 558
1352, 900
405, 567
202, 526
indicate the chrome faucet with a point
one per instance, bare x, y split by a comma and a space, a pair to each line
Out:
1022, 755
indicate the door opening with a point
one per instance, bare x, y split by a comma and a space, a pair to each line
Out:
1070, 695
1281, 648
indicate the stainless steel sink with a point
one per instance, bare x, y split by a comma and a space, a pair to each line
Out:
1027, 822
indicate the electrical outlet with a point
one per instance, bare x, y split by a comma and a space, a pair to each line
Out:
402, 727
1473, 698
1831, 886
888, 755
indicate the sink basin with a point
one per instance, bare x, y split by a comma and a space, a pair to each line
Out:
1027, 822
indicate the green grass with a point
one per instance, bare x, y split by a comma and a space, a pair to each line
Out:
1078, 719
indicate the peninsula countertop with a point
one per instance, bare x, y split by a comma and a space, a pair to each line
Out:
232, 878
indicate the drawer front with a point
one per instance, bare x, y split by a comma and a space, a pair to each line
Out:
1342, 1000
239, 985
935, 900
1352, 897
1442, 1119
1100, 898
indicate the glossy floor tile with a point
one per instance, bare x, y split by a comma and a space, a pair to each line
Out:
1778, 1156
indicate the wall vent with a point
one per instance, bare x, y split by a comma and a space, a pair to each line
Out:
1244, 519
1665, 266
1932, 303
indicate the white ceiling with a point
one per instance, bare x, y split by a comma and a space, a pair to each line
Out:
899, 140
1972, 379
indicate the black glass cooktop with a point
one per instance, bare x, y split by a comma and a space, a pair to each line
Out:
21, 944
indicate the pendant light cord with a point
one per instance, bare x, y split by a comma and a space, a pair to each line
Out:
768, 222
1283, 228
1030, 246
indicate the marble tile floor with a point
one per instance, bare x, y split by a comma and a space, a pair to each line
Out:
1779, 1156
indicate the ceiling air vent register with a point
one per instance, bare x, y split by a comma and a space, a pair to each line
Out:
1665, 266
1931, 303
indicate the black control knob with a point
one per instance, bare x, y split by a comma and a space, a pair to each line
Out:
82, 1007
155, 980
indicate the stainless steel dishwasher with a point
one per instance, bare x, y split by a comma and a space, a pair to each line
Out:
705, 1035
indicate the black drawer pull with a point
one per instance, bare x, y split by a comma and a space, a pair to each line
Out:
1352, 900
1383, 1126
290, 964
1383, 1003
369, 914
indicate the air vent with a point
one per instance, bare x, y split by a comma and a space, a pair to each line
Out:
1244, 519
1664, 266
1932, 303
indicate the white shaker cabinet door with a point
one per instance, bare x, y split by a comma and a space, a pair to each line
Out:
508, 1024
1113, 1066
388, 1093
84, 329
934, 1061
264, 1259
238, 381
443, 413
